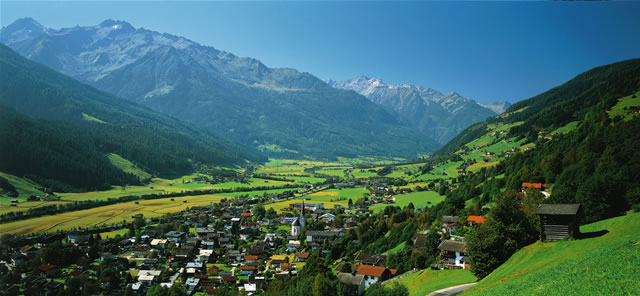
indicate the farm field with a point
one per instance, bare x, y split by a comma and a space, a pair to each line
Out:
426, 281
106, 215
626, 102
255, 192
481, 164
566, 128
450, 168
157, 186
419, 199
504, 145
305, 179
27, 205
428, 177
363, 175
281, 205
337, 195
600, 265
112, 234
395, 174
332, 172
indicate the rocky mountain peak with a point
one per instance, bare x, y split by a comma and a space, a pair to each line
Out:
21, 30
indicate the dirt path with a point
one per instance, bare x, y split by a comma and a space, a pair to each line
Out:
451, 291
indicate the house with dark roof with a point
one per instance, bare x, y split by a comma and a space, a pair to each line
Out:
454, 254
559, 221
449, 223
176, 236
351, 279
370, 259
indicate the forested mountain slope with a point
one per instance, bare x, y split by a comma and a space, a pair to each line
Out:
82, 118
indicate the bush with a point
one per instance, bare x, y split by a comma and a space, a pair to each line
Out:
507, 229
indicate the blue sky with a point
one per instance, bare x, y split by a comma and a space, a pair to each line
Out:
483, 50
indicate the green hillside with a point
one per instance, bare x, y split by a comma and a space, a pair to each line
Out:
426, 281
600, 87
59, 131
602, 265
24, 187
128, 167
580, 139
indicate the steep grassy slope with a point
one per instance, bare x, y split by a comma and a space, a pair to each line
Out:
601, 265
426, 281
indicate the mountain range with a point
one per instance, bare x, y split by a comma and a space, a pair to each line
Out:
438, 116
238, 97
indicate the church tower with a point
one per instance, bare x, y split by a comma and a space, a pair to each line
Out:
302, 220
299, 223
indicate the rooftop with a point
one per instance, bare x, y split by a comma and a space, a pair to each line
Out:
558, 209
453, 246
350, 279
371, 270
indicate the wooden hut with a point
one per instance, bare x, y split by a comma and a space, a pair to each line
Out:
558, 221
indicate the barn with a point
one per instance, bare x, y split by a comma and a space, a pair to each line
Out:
559, 221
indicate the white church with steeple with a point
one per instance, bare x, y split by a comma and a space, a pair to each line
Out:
298, 224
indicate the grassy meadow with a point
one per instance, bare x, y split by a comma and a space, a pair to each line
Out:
426, 281
623, 105
281, 205
419, 199
601, 265
107, 214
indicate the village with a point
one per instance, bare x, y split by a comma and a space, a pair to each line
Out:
235, 244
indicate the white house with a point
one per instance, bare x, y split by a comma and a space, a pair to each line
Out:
454, 254
328, 217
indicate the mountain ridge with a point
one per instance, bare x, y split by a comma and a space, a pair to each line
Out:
240, 97
437, 115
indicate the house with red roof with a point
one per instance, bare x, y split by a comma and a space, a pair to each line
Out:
373, 274
527, 185
247, 270
476, 220
251, 258
302, 256
49, 270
